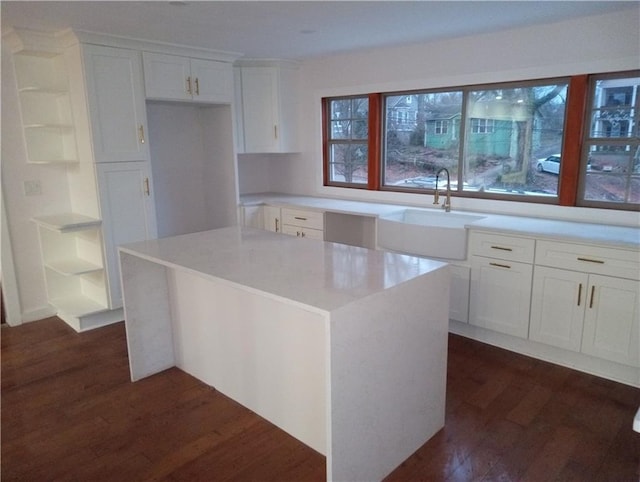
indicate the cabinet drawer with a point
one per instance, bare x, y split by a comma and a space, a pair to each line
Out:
622, 263
511, 248
304, 219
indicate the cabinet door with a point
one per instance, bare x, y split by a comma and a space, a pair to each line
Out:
500, 295
116, 103
612, 319
459, 293
167, 77
260, 109
212, 81
252, 217
128, 213
272, 220
557, 307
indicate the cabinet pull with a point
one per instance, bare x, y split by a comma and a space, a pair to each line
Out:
303, 234
501, 248
579, 294
275, 132
500, 265
189, 86
277, 227
299, 218
197, 86
589, 260
141, 134
593, 291
147, 190
298, 233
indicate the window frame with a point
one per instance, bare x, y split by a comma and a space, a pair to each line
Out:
588, 141
570, 178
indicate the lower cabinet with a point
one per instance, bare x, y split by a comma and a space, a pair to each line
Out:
612, 320
303, 224
128, 213
252, 217
500, 295
558, 303
272, 219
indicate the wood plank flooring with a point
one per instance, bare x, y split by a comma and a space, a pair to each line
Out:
69, 412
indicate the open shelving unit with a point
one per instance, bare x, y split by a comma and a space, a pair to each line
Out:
72, 253
45, 107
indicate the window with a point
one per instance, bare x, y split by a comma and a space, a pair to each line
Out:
568, 141
347, 145
513, 129
440, 127
610, 170
482, 126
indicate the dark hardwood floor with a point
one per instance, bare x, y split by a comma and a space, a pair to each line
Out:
69, 412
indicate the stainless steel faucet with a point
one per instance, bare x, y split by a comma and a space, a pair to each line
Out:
436, 196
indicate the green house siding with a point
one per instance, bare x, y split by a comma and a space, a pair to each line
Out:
495, 143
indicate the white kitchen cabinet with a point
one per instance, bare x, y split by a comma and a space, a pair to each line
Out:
500, 288
128, 213
253, 216
268, 111
302, 223
558, 303
612, 320
583, 300
272, 218
115, 92
171, 77
459, 293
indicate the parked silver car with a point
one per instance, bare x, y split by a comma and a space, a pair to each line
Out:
550, 164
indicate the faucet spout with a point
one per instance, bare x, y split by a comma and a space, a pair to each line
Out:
447, 203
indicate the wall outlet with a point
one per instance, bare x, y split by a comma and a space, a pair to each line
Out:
32, 188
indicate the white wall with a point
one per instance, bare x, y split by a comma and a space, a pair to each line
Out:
588, 45
20, 208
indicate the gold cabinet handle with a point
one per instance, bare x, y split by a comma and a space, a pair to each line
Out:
501, 248
500, 265
299, 218
147, 189
593, 291
141, 134
275, 132
189, 85
589, 260
277, 227
197, 86
303, 234
579, 294
298, 233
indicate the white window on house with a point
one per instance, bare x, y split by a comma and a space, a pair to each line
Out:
482, 126
441, 127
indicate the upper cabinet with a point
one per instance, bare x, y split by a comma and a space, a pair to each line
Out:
267, 110
172, 77
117, 104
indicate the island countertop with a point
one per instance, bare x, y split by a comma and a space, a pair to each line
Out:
319, 275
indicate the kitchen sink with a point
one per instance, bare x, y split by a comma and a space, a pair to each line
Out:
424, 232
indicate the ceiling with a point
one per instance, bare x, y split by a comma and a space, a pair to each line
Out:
296, 29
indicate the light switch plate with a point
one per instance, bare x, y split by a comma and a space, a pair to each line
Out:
32, 188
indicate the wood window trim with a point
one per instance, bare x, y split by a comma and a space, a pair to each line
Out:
573, 135
375, 142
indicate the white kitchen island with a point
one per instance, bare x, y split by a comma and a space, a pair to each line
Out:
344, 348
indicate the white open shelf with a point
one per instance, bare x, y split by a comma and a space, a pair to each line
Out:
66, 222
73, 266
78, 305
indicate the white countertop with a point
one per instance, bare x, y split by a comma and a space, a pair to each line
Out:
600, 234
317, 274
